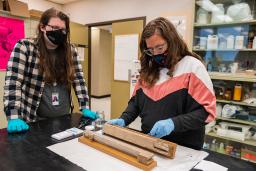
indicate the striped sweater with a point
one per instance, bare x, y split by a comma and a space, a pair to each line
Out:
187, 98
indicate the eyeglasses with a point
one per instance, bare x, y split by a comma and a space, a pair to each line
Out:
158, 49
53, 28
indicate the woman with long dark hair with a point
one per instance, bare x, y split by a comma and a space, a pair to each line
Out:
40, 74
174, 95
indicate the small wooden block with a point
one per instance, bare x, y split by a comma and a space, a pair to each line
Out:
117, 154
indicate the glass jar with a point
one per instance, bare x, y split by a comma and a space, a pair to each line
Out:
227, 94
100, 121
237, 92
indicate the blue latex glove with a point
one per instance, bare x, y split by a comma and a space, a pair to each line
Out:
162, 128
17, 125
119, 122
90, 114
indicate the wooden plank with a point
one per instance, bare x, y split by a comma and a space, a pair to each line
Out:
117, 154
143, 156
157, 145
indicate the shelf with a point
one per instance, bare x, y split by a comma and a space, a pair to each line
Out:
247, 142
225, 50
251, 22
235, 102
237, 121
232, 77
233, 156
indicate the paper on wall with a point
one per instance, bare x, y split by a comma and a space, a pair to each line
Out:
80, 51
126, 51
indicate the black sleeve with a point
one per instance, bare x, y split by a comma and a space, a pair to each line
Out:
132, 111
191, 120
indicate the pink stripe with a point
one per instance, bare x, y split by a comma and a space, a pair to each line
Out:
203, 96
196, 88
171, 85
137, 86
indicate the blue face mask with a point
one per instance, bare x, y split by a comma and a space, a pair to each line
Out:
160, 59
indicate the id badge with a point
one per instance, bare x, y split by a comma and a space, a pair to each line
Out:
55, 99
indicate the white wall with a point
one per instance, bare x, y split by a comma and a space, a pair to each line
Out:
92, 11
41, 5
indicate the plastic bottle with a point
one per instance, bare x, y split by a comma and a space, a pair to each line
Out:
213, 145
254, 43
221, 148
230, 42
202, 16
239, 42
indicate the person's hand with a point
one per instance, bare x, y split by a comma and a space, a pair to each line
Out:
90, 114
16, 125
119, 122
162, 128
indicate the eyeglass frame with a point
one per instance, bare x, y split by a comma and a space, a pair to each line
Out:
159, 49
53, 28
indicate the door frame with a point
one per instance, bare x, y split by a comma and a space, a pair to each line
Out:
90, 41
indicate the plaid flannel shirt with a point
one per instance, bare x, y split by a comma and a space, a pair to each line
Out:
24, 85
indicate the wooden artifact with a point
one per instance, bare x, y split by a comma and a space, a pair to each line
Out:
157, 145
124, 151
143, 156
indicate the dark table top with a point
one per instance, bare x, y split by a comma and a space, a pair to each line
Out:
27, 151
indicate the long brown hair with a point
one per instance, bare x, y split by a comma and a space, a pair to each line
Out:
61, 70
177, 49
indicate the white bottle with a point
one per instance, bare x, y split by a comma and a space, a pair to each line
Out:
239, 44
212, 42
202, 16
230, 42
254, 43
203, 42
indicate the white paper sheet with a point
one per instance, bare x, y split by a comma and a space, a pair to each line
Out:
210, 166
93, 160
126, 50
80, 51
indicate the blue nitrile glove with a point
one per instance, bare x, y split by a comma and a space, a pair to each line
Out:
90, 114
119, 122
162, 128
17, 125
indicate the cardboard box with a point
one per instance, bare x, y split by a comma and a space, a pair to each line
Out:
35, 13
18, 8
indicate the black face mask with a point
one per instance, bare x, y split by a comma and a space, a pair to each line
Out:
160, 59
57, 37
